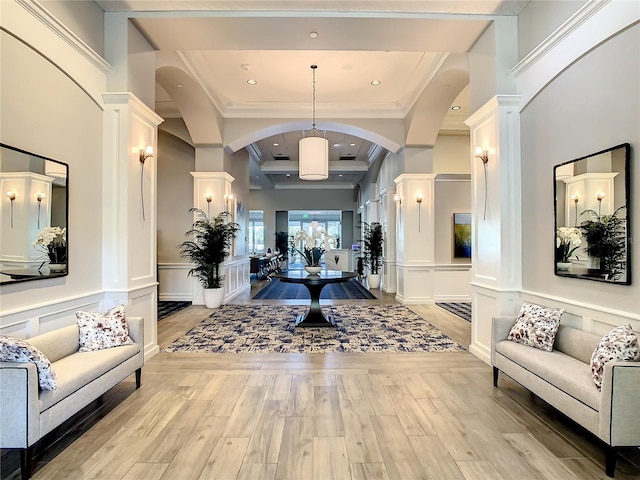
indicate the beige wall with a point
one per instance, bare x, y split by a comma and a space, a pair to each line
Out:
452, 195
451, 154
176, 161
85, 19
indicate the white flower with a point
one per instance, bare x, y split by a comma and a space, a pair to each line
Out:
568, 236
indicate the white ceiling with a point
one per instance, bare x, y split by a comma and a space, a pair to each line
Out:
223, 44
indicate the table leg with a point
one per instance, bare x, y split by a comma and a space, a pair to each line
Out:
314, 317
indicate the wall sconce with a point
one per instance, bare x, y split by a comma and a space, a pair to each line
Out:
39, 198
208, 197
576, 198
599, 197
144, 154
419, 198
227, 198
397, 198
483, 155
11, 196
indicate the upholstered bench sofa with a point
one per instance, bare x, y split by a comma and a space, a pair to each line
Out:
563, 378
28, 412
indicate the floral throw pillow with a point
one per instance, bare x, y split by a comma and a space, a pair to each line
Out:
17, 350
103, 330
619, 344
536, 326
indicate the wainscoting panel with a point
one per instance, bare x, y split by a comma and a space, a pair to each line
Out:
173, 283
452, 283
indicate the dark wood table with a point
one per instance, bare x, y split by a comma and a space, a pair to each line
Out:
315, 284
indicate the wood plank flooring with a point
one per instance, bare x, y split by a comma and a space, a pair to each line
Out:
320, 417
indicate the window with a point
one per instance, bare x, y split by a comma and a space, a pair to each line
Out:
256, 231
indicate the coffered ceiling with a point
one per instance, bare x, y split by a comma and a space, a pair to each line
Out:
251, 60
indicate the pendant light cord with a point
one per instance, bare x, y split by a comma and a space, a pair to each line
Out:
313, 102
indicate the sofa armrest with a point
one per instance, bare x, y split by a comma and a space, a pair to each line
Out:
19, 405
500, 328
136, 330
619, 404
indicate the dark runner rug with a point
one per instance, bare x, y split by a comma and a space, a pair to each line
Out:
169, 308
270, 328
461, 309
277, 290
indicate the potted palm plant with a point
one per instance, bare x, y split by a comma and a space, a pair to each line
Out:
606, 241
210, 247
373, 240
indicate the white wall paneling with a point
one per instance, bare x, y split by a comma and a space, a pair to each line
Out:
173, 284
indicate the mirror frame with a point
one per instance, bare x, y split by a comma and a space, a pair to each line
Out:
41, 273
591, 274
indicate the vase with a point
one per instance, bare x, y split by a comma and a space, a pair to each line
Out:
57, 267
564, 266
373, 279
312, 270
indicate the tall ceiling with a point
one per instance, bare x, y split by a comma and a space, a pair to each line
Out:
251, 60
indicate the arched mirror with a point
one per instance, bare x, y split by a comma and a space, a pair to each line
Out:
33, 216
592, 230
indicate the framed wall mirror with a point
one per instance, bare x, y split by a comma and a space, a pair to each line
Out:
33, 216
592, 228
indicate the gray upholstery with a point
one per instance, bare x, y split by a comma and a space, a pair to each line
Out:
27, 413
563, 379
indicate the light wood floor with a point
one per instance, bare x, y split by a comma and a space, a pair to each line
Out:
322, 416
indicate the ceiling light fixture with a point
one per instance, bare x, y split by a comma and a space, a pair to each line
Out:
313, 151
313, 34
252, 81
456, 107
375, 83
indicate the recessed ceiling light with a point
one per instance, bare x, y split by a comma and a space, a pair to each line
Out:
313, 34
456, 107
336, 144
375, 82
276, 144
352, 144
251, 81
289, 175
339, 174
179, 85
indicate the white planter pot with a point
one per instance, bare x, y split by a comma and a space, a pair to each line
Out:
213, 297
312, 270
373, 279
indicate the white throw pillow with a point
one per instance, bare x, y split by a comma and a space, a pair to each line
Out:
17, 350
536, 326
619, 344
103, 330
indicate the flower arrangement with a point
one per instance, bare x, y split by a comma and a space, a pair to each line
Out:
314, 245
53, 242
568, 240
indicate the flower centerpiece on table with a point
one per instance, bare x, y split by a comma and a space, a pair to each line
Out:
53, 242
314, 245
568, 240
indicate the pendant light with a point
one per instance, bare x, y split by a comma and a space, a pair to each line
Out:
313, 151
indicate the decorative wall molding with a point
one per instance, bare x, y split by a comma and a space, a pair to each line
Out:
590, 26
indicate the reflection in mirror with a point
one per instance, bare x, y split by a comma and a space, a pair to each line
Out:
592, 217
33, 216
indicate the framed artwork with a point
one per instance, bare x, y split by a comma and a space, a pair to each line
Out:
239, 243
462, 235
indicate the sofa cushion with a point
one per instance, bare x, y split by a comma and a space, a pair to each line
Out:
619, 344
536, 326
103, 330
79, 369
576, 343
562, 371
57, 344
17, 350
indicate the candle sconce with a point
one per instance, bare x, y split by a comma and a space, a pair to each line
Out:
39, 198
11, 196
208, 197
144, 154
419, 198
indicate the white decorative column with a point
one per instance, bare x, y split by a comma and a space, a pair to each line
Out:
415, 241
129, 210
496, 272
388, 215
211, 194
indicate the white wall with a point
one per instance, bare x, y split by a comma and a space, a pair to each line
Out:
84, 19
561, 125
44, 112
451, 154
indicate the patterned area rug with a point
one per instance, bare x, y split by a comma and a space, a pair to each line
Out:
277, 290
270, 328
461, 309
169, 308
